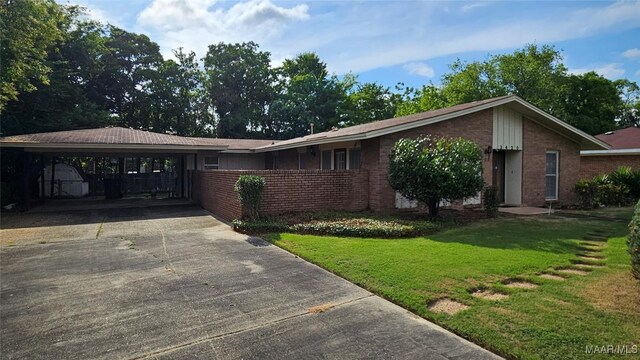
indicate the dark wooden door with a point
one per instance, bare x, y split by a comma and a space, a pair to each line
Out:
498, 174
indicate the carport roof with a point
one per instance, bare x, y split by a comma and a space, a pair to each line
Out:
125, 138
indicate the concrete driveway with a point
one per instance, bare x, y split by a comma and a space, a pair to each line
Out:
173, 282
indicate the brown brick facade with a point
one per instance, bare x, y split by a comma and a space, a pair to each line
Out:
288, 189
477, 127
285, 191
537, 140
594, 165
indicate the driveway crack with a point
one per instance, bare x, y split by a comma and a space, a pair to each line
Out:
239, 331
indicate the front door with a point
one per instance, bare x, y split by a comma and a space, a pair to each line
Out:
498, 174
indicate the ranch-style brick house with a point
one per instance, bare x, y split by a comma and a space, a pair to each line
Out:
624, 151
532, 157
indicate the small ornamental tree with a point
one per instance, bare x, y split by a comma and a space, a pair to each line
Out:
432, 169
249, 189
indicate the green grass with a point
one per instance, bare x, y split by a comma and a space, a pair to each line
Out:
555, 320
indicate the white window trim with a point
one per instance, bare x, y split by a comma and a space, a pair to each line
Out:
333, 154
214, 166
557, 174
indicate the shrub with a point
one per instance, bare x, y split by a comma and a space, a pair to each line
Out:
434, 169
491, 202
629, 178
249, 189
602, 190
259, 227
633, 241
338, 224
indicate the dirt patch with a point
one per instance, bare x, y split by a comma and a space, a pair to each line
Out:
618, 292
552, 277
519, 284
447, 306
489, 295
321, 308
573, 271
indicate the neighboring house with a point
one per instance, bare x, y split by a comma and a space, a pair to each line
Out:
624, 151
532, 157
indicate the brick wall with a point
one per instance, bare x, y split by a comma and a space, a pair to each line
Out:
594, 165
537, 140
285, 191
477, 127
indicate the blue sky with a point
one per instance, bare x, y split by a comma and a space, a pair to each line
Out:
392, 41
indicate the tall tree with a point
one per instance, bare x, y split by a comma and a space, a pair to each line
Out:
28, 29
630, 95
63, 104
592, 103
306, 95
130, 66
238, 81
369, 102
176, 93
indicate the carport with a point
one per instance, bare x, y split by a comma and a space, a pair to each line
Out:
113, 162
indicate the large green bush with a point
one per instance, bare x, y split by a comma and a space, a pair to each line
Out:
249, 189
634, 242
431, 169
626, 176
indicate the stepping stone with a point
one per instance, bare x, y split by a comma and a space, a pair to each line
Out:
552, 277
447, 306
519, 284
585, 265
591, 243
591, 257
489, 295
573, 271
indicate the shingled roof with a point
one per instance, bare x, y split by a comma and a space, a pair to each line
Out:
383, 127
628, 138
125, 137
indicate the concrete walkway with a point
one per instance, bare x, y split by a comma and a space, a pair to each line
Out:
173, 282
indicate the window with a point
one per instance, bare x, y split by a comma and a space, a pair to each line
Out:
340, 159
211, 163
354, 159
404, 203
301, 162
326, 160
551, 178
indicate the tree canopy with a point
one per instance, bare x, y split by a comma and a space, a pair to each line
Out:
61, 71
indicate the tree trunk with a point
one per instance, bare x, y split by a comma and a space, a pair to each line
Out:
433, 207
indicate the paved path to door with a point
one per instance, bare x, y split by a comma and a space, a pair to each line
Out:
173, 282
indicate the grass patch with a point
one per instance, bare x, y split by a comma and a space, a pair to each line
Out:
557, 319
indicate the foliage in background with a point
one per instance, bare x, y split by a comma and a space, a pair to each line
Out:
433, 169
490, 200
537, 74
62, 72
249, 189
621, 187
633, 242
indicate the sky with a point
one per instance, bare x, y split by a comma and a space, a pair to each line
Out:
387, 42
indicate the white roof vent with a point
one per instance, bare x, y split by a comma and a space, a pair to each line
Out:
609, 133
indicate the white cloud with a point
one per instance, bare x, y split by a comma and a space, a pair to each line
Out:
609, 71
632, 53
194, 24
421, 69
470, 6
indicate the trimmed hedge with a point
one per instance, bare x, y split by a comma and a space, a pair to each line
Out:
355, 226
249, 189
633, 241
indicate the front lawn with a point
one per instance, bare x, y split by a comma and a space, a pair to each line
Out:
558, 319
